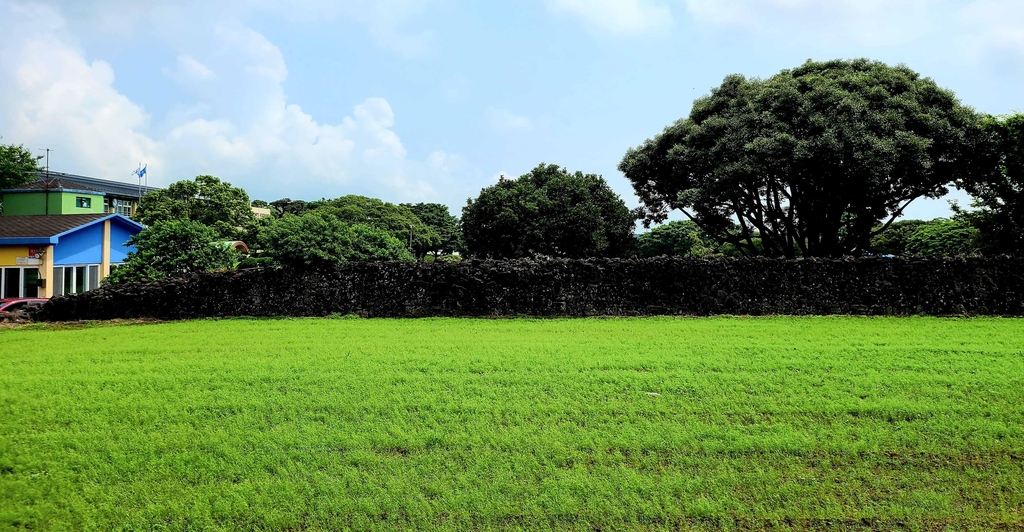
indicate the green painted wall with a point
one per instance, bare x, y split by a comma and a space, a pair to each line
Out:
26, 203
68, 206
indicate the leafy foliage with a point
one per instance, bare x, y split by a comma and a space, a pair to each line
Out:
940, 237
944, 238
250, 262
815, 161
308, 240
448, 227
551, 212
319, 240
999, 194
172, 249
17, 167
288, 206
206, 200
677, 239
894, 241
397, 220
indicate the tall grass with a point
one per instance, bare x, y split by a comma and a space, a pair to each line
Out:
641, 424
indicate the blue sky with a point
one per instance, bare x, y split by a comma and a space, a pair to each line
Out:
429, 100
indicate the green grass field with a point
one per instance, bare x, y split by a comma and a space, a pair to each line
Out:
447, 424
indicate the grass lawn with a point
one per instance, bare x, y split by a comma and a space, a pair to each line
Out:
622, 424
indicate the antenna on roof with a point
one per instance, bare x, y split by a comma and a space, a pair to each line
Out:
46, 180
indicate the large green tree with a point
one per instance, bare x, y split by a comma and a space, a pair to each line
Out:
206, 200
944, 238
551, 212
398, 221
999, 194
681, 238
814, 161
448, 227
318, 240
17, 167
288, 206
173, 248
895, 240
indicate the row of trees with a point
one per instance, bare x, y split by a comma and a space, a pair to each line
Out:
549, 211
817, 161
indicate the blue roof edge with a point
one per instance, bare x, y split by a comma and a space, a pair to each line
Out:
115, 216
28, 241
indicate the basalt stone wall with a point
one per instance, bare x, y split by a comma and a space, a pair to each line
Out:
660, 286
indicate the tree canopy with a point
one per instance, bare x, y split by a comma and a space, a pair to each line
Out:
173, 248
896, 239
551, 212
17, 167
681, 238
448, 228
288, 206
944, 238
999, 193
398, 221
938, 237
206, 200
317, 240
814, 161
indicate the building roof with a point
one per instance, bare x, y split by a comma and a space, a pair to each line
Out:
46, 229
55, 185
117, 189
43, 225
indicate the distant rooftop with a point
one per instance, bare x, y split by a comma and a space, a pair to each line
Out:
44, 226
117, 189
55, 184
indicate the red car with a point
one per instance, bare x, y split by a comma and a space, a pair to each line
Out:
15, 304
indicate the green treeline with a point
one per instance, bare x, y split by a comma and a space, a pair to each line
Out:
817, 161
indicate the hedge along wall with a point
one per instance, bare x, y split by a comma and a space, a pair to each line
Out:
660, 286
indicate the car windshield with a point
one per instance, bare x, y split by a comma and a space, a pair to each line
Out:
12, 307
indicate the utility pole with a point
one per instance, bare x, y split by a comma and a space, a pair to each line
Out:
46, 183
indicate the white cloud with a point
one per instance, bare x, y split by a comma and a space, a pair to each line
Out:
54, 98
188, 71
620, 17
505, 121
385, 21
241, 125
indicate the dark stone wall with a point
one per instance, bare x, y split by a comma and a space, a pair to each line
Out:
649, 287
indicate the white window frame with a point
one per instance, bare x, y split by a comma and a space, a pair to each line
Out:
74, 277
122, 207
21, 279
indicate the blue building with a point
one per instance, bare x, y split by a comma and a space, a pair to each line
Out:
53, 255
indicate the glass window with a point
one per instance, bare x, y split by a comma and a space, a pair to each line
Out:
30, 282
12, 282
79, 279
58, 281
83, 203
123, 207
94, 277
69, 278
106, 204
